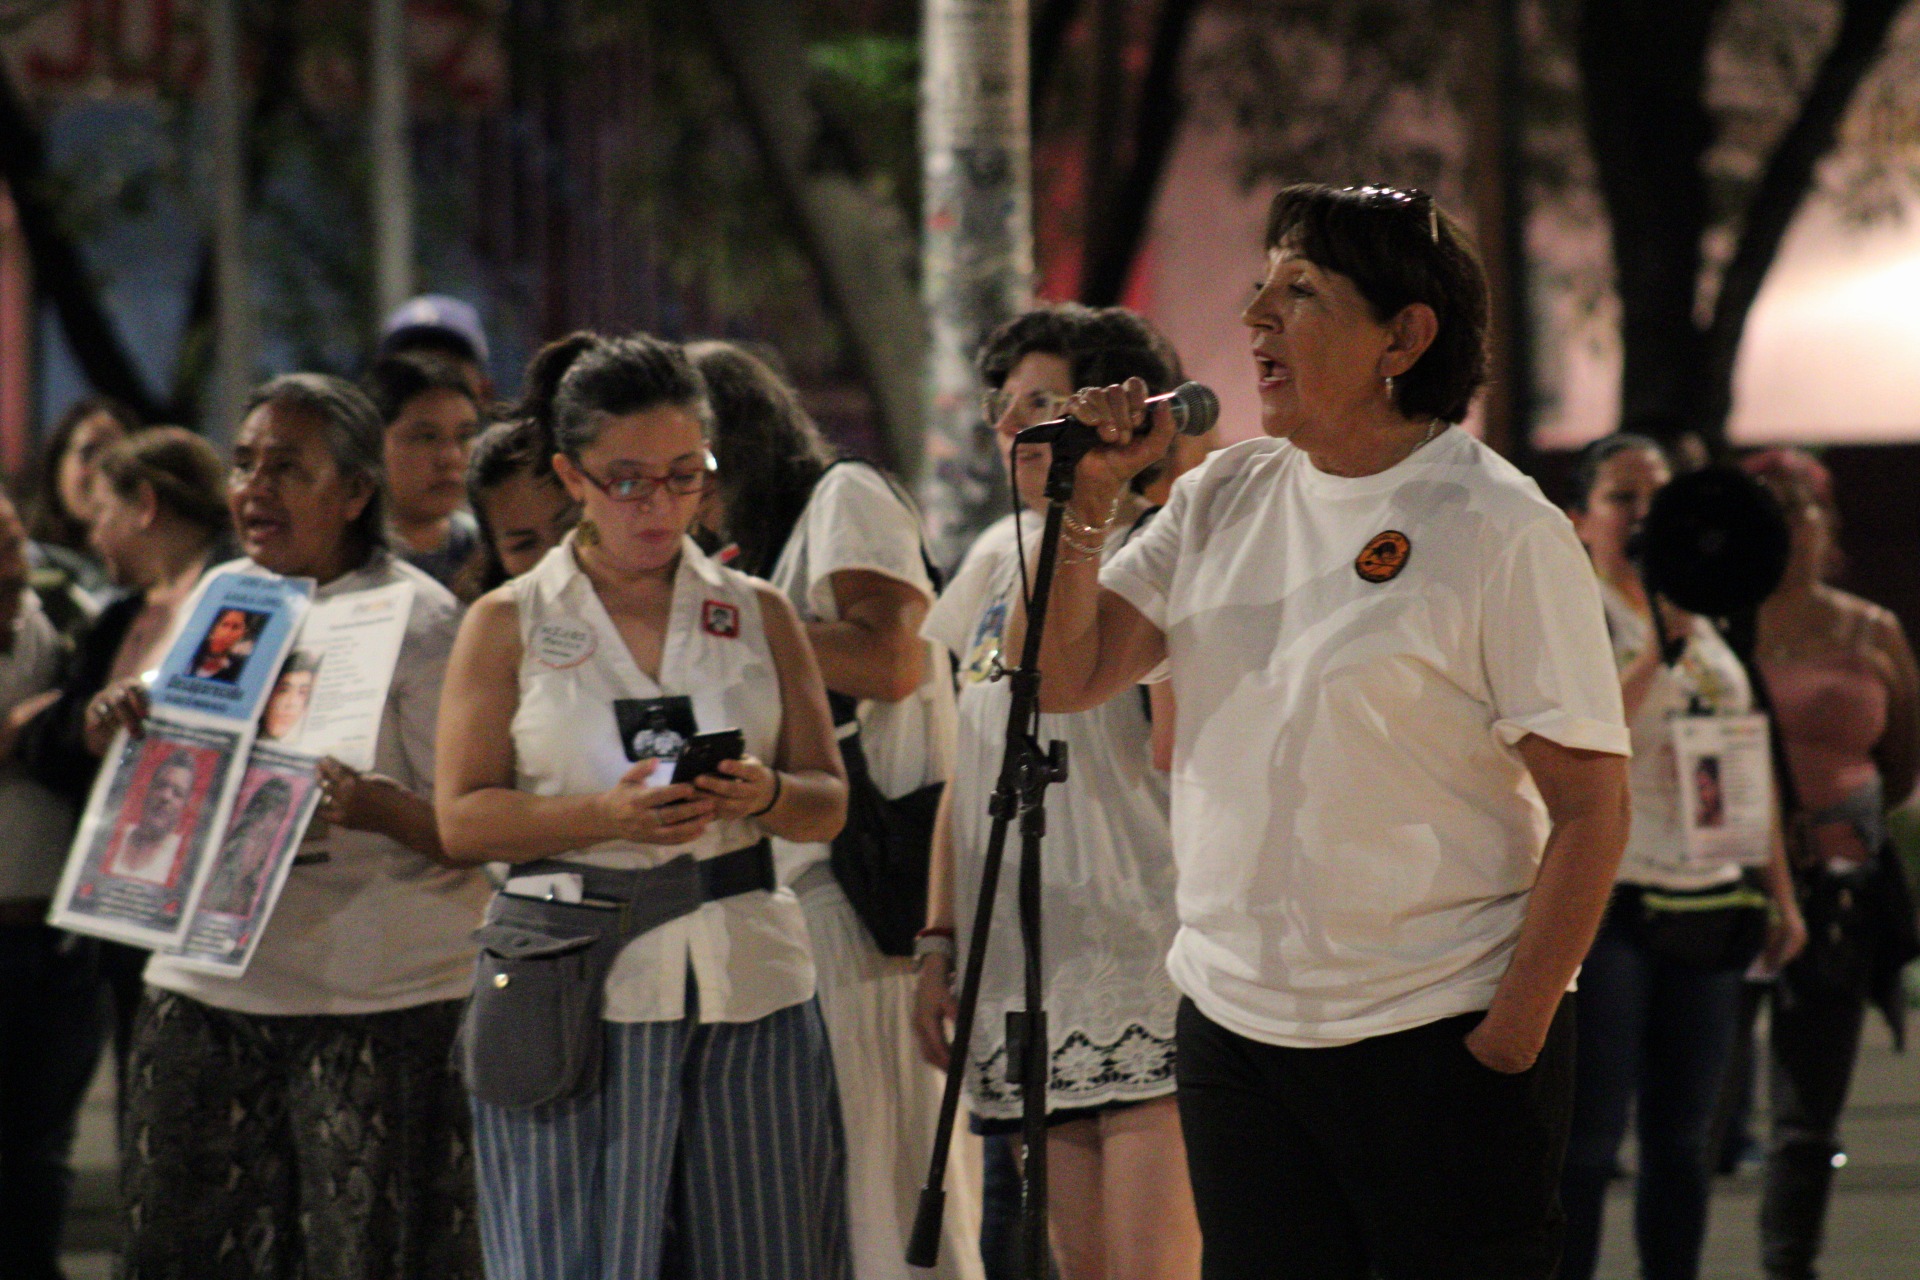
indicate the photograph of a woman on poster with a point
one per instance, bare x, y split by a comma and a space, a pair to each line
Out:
246, 858
292, 695
224, 650
147, 847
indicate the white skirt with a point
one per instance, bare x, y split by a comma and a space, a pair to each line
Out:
889, 1097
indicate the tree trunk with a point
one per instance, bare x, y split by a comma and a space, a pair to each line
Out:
1114, 237
1643, 68
977, 242
59, 272
1782, 189
860, 246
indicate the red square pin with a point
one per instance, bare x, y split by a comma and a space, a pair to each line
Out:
717, 618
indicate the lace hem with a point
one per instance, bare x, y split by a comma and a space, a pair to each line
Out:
1136, 1064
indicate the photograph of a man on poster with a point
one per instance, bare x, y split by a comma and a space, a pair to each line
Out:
229, 641
147, 845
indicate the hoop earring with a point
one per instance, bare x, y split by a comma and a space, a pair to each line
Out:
586, 533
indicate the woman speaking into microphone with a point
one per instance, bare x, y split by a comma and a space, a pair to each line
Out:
1399, 771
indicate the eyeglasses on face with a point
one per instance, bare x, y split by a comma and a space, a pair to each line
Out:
681, 481
1041, 406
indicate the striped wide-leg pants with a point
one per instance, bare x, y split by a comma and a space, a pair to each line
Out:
718, 1144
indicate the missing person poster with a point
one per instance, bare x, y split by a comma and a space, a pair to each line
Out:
327, 700
224, 659
159, 808
1726, 789
143, 840
278, 795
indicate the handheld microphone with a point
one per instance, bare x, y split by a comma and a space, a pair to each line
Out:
1194, 407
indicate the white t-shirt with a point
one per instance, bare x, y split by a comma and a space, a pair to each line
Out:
35, 824
1107, 874
365, 924
856, 520
1355, 832
1708, 679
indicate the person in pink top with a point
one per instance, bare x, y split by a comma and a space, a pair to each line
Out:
1845, 694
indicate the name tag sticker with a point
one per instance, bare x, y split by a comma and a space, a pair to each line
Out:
563, 644
717, 618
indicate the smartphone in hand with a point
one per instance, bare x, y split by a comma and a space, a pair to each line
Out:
704, 751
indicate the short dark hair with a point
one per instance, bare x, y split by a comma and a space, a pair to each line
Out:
355, 436
183, 471
1399, 248
429, 340
395, 381
1101, 346
612, 377
501, 452
1586, 470
770, 451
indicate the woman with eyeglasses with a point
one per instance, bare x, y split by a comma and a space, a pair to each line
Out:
1399, 769
1121, 1208
644, 1047
302, 1119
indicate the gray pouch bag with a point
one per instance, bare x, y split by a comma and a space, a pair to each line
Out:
531, 1032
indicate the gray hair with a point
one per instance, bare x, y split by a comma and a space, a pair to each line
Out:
355, 436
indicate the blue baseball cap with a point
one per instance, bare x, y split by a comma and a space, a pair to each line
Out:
436, 313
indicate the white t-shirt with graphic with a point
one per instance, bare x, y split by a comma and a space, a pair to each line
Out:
1356, 833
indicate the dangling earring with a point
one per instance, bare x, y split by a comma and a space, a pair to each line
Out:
1389, 381
586, 533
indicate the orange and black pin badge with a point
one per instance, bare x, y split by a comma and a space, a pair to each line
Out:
1384, 556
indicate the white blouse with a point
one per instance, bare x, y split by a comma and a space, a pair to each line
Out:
856, 520
748, 954
1107, 874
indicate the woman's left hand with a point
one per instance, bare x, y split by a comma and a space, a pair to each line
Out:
742, 788
355, 800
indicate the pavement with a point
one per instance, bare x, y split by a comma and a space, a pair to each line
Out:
1873, 1229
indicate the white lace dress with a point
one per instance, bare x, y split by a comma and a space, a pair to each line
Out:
1107, 868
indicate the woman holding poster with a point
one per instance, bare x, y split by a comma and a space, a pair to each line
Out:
348, 1149
160, 513
1660, 990
644, 998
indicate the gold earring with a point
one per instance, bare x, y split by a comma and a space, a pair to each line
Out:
586, 533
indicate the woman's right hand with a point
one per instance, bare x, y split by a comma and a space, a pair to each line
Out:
1116, 412
934, 1009
645, 814
121, 705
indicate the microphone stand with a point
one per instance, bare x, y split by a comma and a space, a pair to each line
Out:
1026, 771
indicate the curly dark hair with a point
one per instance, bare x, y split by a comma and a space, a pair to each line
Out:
1101, 346
1399, 248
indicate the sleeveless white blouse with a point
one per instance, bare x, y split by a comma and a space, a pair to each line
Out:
748, 954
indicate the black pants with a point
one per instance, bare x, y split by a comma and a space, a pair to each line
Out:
51, 1026
1817, 1014
1399, 1157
